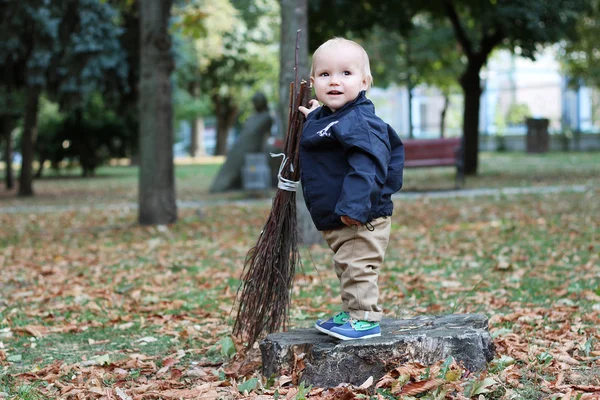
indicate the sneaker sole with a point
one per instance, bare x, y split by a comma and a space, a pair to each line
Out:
323, 330
342, 337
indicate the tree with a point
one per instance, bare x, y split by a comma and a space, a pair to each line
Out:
424, 53
189, 103
580, 58
236, 55
67, 48
294, 17
128, 93
520, 25
24, 59
157, 200
10, 106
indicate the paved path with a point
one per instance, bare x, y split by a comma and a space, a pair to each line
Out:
511, 191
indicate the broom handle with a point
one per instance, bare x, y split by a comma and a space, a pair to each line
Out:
298, 96
290, 116
303, 97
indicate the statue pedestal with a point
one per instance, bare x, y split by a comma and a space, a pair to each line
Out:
328, 361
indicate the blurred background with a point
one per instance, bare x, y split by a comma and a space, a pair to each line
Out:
73, 76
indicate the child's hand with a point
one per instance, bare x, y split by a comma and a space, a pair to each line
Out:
313, 104
349, 221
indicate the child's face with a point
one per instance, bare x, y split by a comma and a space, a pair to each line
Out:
338, 76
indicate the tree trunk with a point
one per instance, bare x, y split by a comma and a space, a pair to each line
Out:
40, 170
410, 86
471, 85
196, 128
410, 108
7, 127
225, 111
197, 137
294, 16
28, 141
443, 115
470, 81
157, 199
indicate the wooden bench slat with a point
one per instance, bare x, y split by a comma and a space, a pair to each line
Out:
436, 162
443, 152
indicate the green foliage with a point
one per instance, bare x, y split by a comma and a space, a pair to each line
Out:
521, 25
237, 55
580, 58
517, 113
356, 19
227, 347
426, 55
90, 135
248, 385
70, 50
303, 391
50, 124
479, 386
188, 102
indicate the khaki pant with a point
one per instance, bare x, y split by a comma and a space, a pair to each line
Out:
359, 253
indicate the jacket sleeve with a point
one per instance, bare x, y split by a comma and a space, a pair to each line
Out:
355, 198
394, 179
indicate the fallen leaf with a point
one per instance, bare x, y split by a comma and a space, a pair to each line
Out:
122, 395
366, 384
410, 389
147, 339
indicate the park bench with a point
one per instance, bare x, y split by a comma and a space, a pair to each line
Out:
443, 152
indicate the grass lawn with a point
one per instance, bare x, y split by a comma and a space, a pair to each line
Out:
94, 306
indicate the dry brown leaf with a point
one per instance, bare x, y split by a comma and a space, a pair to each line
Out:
366, 384
122, 395
196, 393
410, 389
341, 393
407, 370
97, 390
585, 388
36, 331
385, 382
284, 380
292, 392
567, 359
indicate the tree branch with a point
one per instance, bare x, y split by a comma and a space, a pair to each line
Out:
459, 31
490, 41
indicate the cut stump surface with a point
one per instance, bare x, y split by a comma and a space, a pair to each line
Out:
324, 361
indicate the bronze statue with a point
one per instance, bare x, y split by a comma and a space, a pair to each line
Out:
253, 138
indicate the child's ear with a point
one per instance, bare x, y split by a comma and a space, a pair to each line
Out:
366, 82
312, 81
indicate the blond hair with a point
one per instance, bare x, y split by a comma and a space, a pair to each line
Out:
338, 42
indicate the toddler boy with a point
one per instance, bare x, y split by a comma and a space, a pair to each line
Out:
351, 163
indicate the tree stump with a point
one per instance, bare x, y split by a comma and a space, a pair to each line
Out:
327, 362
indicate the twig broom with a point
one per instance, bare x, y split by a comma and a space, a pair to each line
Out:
263, 297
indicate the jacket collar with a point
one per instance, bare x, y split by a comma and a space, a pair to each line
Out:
361, 99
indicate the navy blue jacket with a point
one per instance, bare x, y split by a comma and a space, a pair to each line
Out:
351, 163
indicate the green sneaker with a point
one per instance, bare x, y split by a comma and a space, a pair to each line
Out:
337, 320
355, 329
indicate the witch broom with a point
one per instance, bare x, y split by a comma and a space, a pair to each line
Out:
263, 297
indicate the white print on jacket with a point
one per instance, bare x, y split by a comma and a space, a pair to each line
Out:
325, 131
